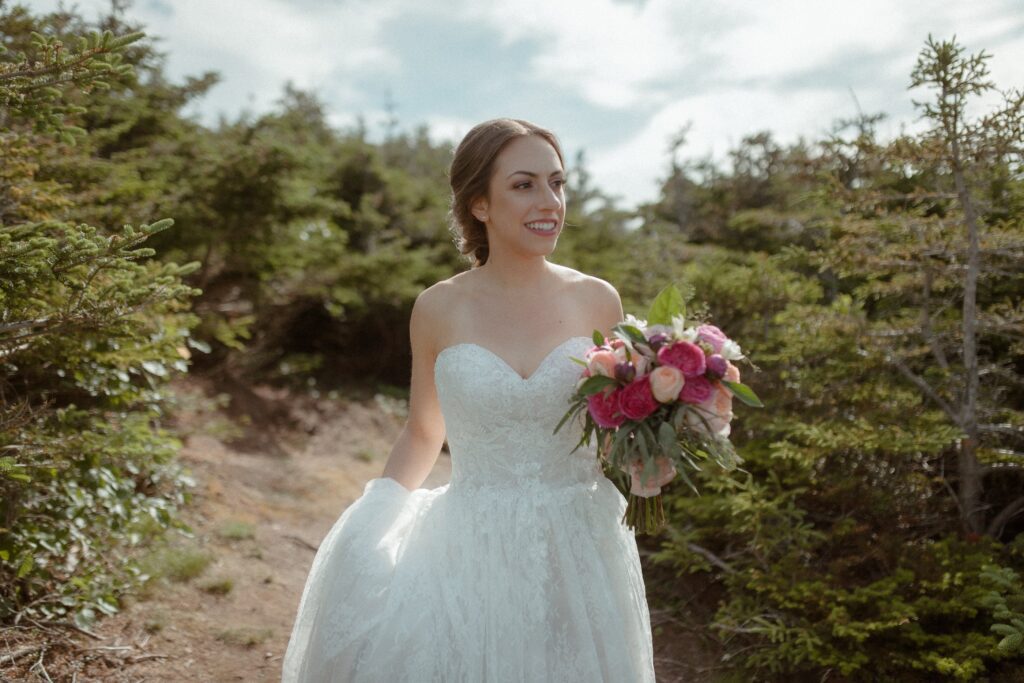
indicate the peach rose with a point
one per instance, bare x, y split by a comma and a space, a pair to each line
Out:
722, 400
732, 373
665, 472
602, 362
716, 411
666, 383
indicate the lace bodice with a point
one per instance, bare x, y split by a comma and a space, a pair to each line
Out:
500, 425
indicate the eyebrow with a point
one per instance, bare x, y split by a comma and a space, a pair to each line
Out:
533, 175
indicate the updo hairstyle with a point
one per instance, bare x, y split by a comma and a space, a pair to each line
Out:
470, 176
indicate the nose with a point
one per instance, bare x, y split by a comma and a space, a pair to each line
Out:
551, 198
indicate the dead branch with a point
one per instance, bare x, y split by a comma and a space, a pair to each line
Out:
42, 625
23, 652
995, 527
302, 542
712, 558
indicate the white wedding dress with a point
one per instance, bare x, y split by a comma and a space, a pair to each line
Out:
517, 570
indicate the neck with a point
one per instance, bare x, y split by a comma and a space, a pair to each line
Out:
512, 274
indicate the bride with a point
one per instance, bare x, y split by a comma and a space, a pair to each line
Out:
519, 569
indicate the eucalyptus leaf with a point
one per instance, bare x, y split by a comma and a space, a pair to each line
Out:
743, 393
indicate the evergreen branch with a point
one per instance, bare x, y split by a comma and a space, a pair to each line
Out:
1004, 467
1002, 428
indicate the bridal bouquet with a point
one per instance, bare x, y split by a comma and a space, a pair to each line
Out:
659, 398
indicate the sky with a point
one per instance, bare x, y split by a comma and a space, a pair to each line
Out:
615, 79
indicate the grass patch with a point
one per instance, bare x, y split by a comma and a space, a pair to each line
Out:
176, 563
365, 455
236, 530
155, 622
221, 586
245, 637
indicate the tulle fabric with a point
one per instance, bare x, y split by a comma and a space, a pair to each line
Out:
518, 570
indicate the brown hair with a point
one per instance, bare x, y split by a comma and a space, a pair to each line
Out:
470, 177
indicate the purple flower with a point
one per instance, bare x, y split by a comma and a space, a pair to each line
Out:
716, 366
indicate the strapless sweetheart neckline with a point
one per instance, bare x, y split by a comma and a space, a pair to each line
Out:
505, 363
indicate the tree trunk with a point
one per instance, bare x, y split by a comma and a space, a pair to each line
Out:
970, 472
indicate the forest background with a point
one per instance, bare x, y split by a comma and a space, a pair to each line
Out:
876, 532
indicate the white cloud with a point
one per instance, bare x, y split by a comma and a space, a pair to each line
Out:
612, 54
258, 45
720, 120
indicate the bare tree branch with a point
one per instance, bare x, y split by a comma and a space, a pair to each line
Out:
995, 527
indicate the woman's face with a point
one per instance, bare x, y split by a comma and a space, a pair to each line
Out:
525, 206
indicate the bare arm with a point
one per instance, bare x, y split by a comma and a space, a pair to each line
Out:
417, 447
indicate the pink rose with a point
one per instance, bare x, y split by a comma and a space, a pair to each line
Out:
684, 355
604, 407
712, 335
666, 382
696, 390
637, 401
602, 362
666, 471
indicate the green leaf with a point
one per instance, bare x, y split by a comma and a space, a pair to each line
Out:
630, 333
667, 303
667, 440
569, 414
743, 393
597, 338
26, 565
595, 384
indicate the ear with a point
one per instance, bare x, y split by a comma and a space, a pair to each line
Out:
479, 209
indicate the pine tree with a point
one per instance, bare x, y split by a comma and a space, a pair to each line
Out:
90, 331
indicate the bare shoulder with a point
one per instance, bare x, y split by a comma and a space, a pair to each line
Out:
599, 297
427, 317
432, 310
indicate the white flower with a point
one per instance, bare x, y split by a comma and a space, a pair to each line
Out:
731, 350
639, 323
677, 326
658, 329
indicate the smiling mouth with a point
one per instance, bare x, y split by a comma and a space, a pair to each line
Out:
543, 227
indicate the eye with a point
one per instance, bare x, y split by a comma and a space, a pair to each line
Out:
521, 185
560, 182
